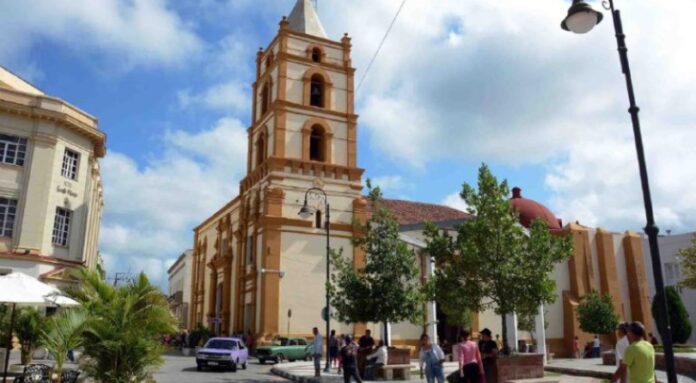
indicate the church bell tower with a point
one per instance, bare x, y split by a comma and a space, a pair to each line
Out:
303, 134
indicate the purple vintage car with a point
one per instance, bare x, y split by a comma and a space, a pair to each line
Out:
223, 352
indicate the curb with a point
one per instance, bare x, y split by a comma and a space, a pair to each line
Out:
284, 374
577, 372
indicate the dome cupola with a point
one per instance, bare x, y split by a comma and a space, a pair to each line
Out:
530, 210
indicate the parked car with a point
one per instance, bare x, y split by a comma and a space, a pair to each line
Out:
284, 348
223, 352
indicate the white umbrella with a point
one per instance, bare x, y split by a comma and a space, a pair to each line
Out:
21, 289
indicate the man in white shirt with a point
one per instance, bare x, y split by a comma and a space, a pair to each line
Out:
621, 347
376, 360
317, 348
596, 347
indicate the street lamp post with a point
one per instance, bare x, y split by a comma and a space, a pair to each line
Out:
581, 19
306, 212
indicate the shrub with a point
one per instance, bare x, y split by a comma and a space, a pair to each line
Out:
597, 314
678, 316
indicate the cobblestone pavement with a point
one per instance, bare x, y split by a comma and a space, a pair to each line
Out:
182, 369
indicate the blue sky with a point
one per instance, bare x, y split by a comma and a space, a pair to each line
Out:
456, 84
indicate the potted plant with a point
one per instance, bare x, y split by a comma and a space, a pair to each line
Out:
28, 327
63, 333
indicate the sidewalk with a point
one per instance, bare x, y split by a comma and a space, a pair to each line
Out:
303, 372
594, 368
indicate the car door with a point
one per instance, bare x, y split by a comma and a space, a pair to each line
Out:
301, 349
292, 349
243, 352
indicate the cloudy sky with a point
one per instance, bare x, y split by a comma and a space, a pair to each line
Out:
456, 84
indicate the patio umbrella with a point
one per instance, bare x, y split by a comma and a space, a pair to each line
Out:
23, 290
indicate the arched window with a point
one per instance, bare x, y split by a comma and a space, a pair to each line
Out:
260, 149
317, 143
316, 55
316, 91
317, 219
265, 98
269, 60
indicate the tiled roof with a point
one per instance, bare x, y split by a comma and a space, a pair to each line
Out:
409, 212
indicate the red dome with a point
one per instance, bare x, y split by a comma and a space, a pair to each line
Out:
530, 210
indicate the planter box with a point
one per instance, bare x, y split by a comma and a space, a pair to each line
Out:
520, 366
398, 355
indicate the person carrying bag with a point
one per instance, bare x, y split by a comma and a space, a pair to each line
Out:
470, 363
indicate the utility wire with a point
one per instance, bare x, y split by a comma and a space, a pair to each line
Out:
379, 48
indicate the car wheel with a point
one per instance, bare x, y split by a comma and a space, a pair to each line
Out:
199, 367
233, 367
244, 365
280, 358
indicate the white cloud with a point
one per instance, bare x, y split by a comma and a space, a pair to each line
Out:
455, 201
501, 82
231, 96
150, 211
389, 183
128, 33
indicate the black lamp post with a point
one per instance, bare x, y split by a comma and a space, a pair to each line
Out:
581, 19
306, 212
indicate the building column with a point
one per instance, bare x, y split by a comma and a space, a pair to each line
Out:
212, 290
361, 214
226, 294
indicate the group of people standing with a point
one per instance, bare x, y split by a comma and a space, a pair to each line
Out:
354, 359
476, 361
635, 355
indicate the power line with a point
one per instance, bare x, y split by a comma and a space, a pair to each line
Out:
379, 48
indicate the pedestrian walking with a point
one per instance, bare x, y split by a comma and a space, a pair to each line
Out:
250, 342
638, 363
348, 356
333, 348
596, 347
576, 348
317, 348
470, 363
366, 343
489, 353
621, 346
432, 358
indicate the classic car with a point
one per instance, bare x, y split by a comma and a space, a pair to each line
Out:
222, 352
284, 348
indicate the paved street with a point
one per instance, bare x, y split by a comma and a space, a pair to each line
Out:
182, 369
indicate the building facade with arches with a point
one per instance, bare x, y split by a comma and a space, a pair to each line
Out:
255, 261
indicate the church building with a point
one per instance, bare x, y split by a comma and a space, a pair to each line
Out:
258, 266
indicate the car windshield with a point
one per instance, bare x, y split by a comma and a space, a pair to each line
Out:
281, 341
221, 344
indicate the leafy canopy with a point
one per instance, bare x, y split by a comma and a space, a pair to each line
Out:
387, 288
596, 314
491, 261
687, 257
678, 316
29, 322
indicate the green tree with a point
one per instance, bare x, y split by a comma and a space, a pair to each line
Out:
678, 316
121, 335
63, 332
687, 264
5, 312
27, 329
387, 289
492, 261
597, 314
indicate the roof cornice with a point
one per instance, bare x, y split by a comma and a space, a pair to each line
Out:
55, 110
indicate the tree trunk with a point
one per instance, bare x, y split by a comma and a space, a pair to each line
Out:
506, 349
386, 334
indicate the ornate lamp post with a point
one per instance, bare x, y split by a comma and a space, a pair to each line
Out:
305, 212
582, 18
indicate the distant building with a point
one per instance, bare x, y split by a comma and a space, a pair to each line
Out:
50, 187
669, 250
180, 287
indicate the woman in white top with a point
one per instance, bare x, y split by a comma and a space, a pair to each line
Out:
432, 357
621, 347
